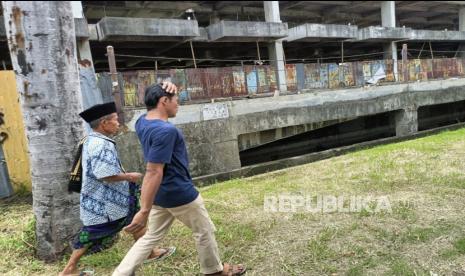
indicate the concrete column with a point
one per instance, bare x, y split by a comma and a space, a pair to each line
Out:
214, 18
388, 19
462, 28
275, 49
406, 121
388, 14
83, 46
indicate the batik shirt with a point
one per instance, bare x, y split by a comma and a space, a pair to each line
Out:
101, 201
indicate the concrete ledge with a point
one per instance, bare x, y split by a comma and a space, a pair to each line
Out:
81, 28
203, 35
318, 32
246, 31
92, 28
383, 33
427, 35
311, 157
146, 29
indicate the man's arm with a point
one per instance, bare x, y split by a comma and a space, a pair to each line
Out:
150, 185
131, 177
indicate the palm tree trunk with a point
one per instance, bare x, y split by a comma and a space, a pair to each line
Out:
42, 46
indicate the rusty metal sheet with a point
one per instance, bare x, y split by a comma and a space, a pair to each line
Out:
144, 79
333, 73
195, 83
438, 69
129, 88
271, 78
346, 75
262, 80
213, 86
427, 68
312, 76
227, 81
389, 69
239, 86
291, 77
453, 67
251, 79
358, 72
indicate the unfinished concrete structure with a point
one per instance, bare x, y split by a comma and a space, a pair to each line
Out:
226, 136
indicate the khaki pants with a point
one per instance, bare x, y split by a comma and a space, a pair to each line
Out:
195, 216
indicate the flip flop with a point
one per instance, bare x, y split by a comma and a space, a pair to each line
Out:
168, 252
87, 273
231, 270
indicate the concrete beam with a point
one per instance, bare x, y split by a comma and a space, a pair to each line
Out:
383, 33
81, 28
317, 32
428, 35
92, 28
146, 29
246, 31
203, 37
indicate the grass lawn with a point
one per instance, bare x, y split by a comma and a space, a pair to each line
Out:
423, 179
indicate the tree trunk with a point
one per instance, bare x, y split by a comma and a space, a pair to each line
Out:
42, 46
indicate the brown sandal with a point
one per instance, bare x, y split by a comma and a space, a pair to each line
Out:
230, 270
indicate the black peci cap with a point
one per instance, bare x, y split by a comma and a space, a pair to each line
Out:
98, 111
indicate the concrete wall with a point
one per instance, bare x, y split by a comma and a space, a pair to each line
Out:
246, 31
212, 130
307, 32
127, 29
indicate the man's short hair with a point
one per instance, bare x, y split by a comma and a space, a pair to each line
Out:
153, 93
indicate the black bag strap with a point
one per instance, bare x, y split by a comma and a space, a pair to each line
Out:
78, 158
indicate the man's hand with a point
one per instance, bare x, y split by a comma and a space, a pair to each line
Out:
169, 87
138, 222
133, 176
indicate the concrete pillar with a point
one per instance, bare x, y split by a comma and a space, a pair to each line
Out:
388, 14
275, 49
462, 28
388, 19
83, 46
406, 121
214, 18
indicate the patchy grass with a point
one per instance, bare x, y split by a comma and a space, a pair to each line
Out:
423, 179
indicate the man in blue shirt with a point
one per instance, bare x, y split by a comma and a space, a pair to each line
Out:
168, 192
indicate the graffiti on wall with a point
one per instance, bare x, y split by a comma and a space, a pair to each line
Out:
229, 82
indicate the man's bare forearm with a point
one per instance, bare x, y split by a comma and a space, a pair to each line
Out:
130, 176
116, 178
149, 189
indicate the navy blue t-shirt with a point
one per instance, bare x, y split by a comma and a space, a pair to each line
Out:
163, 143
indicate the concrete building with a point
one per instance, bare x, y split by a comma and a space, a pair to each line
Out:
225, 31
286, 38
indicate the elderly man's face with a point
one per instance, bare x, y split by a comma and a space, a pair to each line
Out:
111, 125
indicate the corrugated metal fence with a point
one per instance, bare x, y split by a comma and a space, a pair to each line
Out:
221, 82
